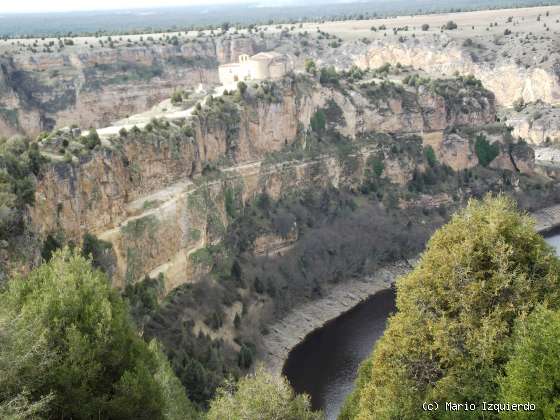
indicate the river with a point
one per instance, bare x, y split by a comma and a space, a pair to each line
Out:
325, 364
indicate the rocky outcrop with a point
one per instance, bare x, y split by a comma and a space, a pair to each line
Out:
158, 195
457, 152
380, 106
505, 79
93, 87
536, 123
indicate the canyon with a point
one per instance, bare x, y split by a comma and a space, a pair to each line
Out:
94, 81
148, 195
256, 212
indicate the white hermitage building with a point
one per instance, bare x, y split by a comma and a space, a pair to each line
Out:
264, 65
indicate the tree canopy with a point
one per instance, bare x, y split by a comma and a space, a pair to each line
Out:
452, 334
68, 349
261, 396
533, 371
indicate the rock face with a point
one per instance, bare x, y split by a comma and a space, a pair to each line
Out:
159, 195
536, 123
507, 80
92, 88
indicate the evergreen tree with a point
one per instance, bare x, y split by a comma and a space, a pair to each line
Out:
68, 349
533, 371
451, 336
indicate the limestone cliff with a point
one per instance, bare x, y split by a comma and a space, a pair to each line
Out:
93, 87
536, 123
506, 79
162, 195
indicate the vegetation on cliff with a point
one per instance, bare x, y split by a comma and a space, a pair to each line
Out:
69, 350
387, 195
340, 236
453, 334
20, 163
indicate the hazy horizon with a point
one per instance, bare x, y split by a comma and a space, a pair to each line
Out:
61, 18
69, 6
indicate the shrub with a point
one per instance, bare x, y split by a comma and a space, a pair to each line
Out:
533, 371
242, 87
485, 152
261, 395
377, 166
450, 25
328, 76
177, 98
318, 121
20, 163
92, 139
430, 156
425, 27
310, 66
245, 356
143, 297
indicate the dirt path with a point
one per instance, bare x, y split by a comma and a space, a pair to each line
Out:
165, 110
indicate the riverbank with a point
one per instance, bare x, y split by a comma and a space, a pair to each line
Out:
285, 334
547, 219
288, 332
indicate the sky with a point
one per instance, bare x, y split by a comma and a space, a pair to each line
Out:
36, 6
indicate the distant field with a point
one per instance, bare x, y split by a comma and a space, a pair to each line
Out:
469, 24
154, 20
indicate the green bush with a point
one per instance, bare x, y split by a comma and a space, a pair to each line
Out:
485, 152
261, 396
143, 297
328, 76
377, 166
533, 372
51, 244
246, 356
450, 25
430, 156
20, 164
177, 98
319, 121
310, 66
99, 251
230, 203
242, 88
92, 139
